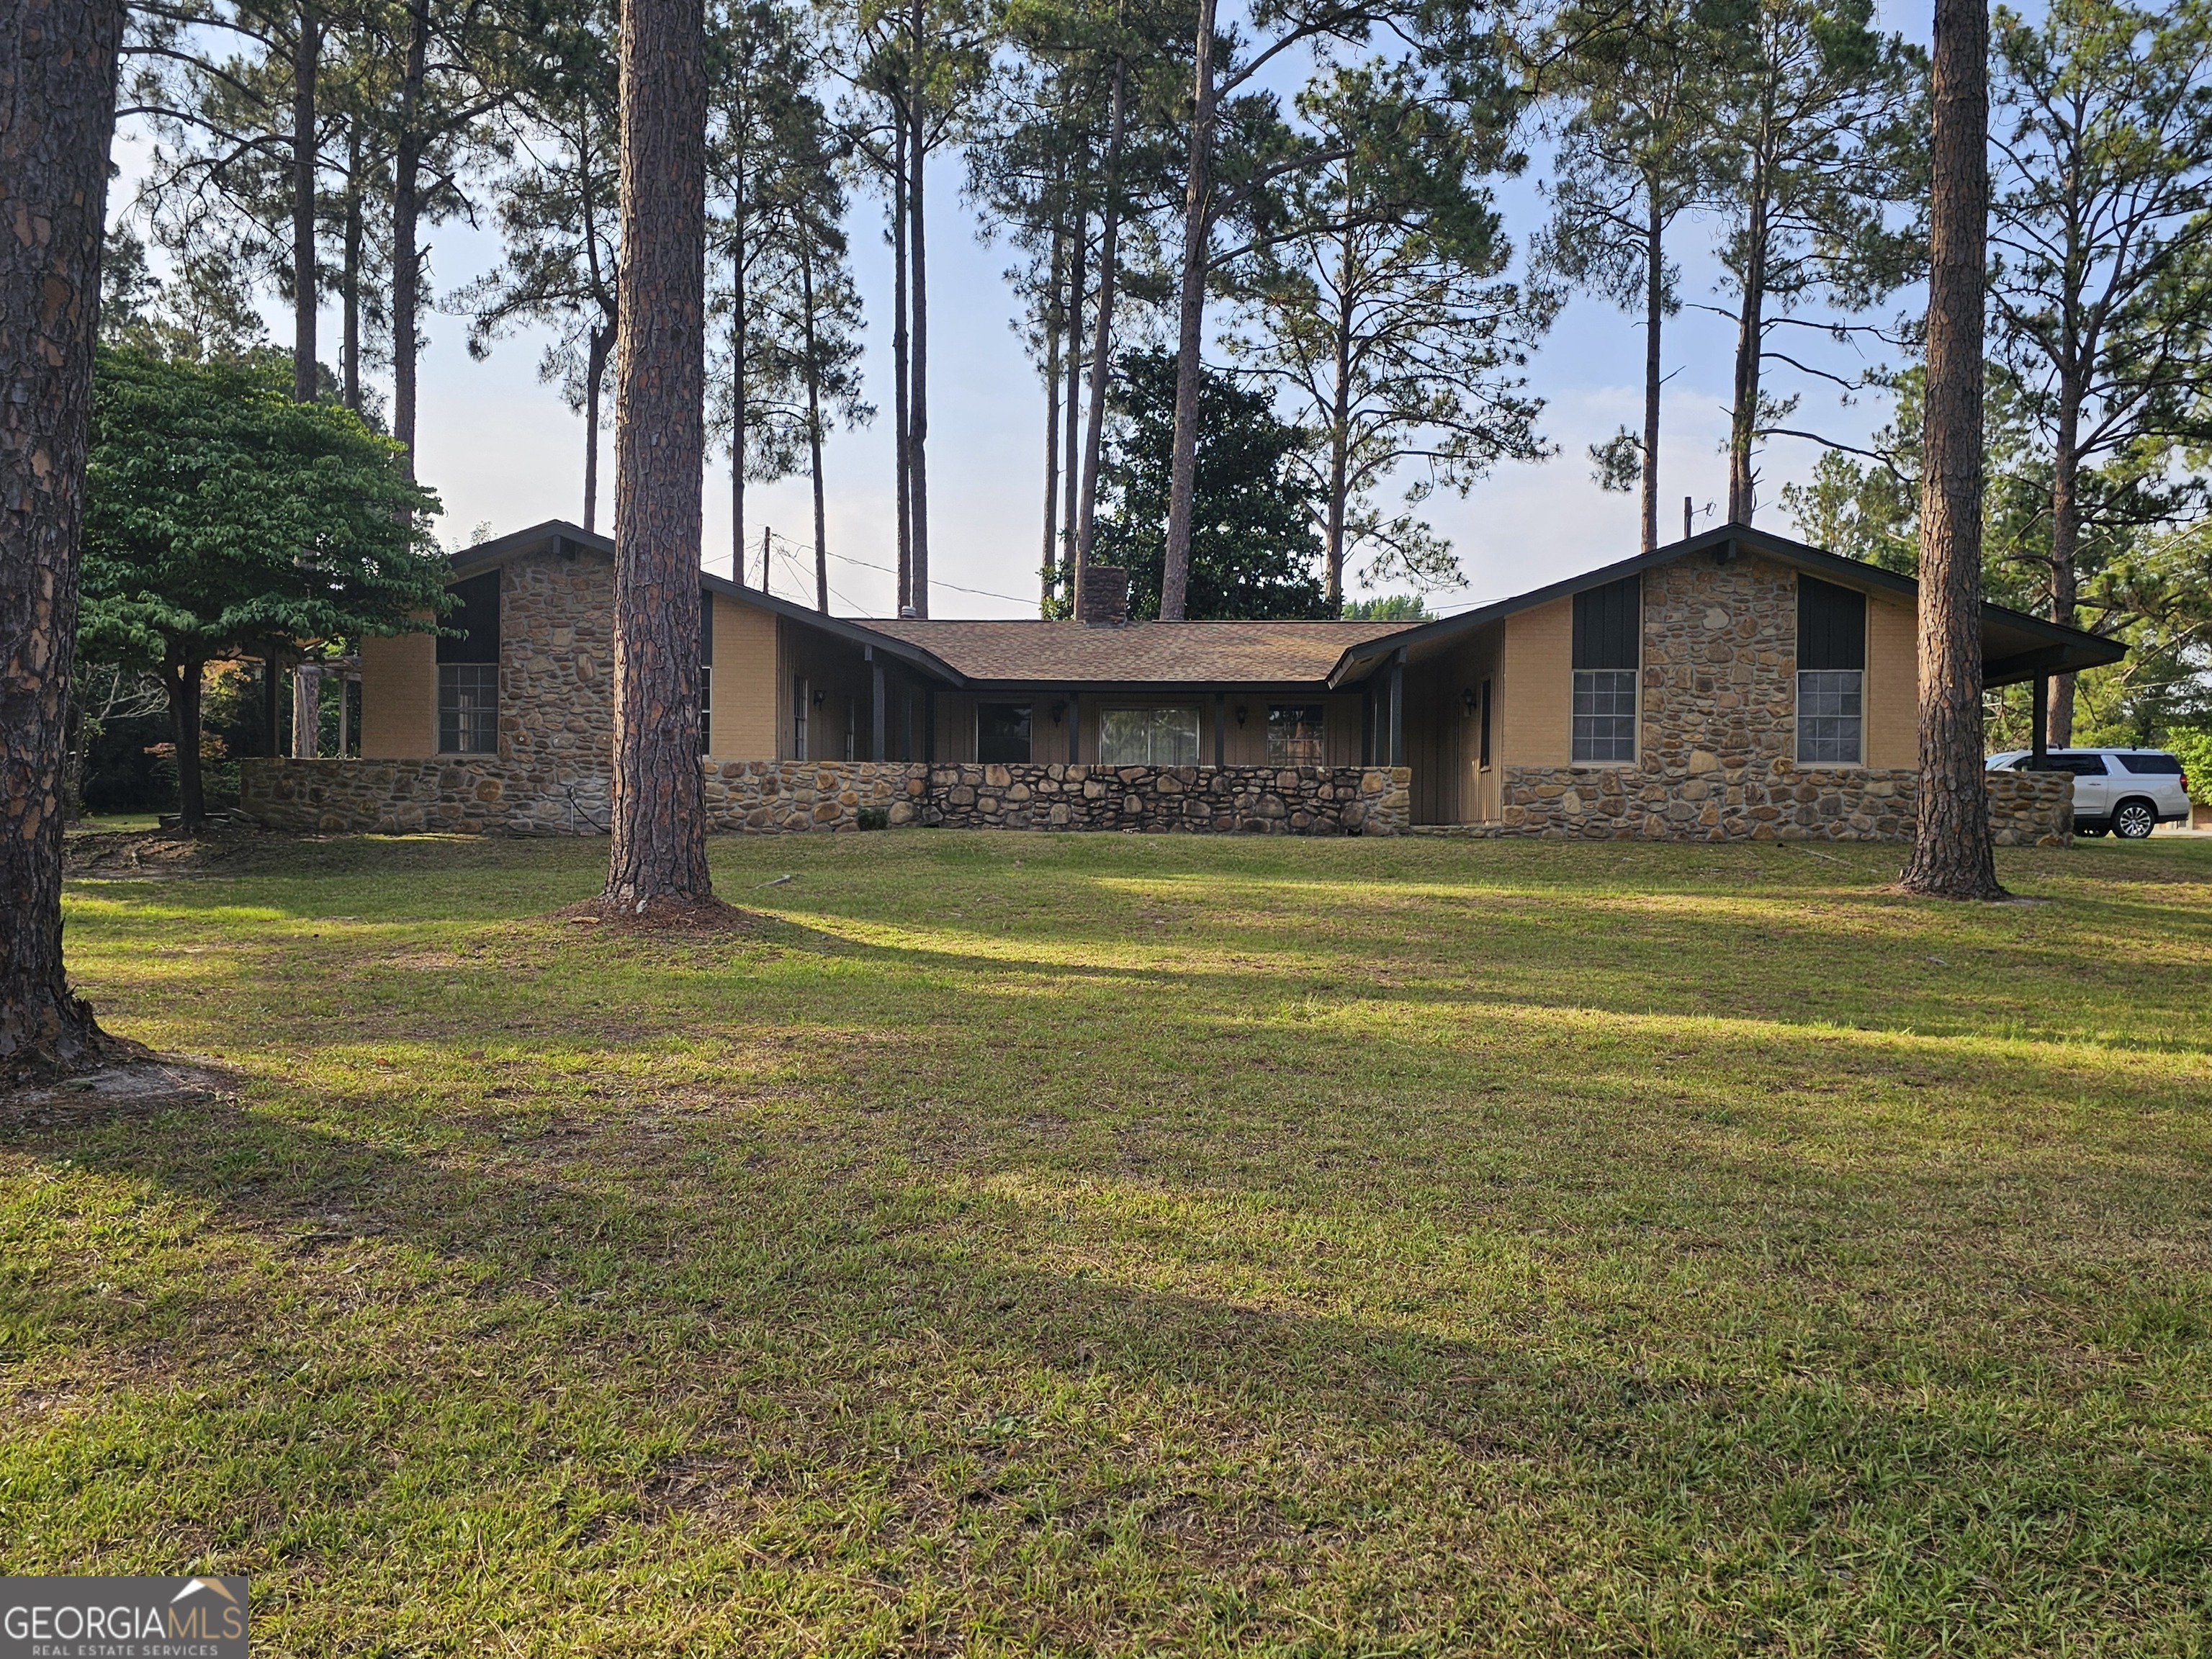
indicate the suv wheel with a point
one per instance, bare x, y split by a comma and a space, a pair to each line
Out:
2135, 820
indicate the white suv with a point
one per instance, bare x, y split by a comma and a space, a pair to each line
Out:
2129, 791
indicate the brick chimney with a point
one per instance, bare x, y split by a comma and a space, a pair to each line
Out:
1103, 596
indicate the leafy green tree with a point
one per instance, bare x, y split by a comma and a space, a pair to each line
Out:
223, 518
2102, 272
1239, 151
1254, 548
1388, 607
776, 248
1389, 321
917, 68
555, 206
1818, 161
1633, 110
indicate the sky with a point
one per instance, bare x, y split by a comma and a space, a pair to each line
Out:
504, 452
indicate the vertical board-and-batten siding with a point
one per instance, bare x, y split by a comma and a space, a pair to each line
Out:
1535, 694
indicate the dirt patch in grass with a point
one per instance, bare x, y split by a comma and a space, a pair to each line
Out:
136, 1087
705, 916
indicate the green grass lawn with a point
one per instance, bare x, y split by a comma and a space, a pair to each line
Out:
1075, 1245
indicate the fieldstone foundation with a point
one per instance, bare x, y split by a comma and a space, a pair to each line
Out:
472, 795
1705, 800
1304, 800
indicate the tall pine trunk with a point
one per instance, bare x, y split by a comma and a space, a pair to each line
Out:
58, 79
739, 324
1339, 415
918, 344
350, 276
659, 844
902, 376
1654, 312
1102, 340
1952, 856
814, 432
406, 214
181, 682
1049, 565
1750, 339
1071, 483
596, 349
307, 58
1190, 329
2065, 545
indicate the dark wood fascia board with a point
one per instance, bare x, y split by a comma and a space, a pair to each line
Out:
843, 630
555, 534
551, 534
1150, 688
2063, 659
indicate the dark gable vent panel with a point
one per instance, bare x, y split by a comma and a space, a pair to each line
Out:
1609, 624
1831, 625
477, 616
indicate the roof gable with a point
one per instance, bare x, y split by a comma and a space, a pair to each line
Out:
2016, 646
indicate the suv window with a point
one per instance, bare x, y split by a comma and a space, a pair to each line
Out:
2163, 766
2082, 766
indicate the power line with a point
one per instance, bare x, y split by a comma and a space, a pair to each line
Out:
847, 558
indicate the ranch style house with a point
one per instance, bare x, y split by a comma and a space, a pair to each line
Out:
1733, 684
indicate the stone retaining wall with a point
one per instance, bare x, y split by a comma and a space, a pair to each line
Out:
1304, 800
479, 795
1705, 800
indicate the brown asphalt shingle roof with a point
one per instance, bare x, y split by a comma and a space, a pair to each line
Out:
1272, 652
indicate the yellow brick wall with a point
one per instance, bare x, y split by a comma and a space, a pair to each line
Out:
743, 724
1533, 699
1892, 683
399, 696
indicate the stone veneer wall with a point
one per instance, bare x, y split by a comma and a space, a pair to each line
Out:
1712, 802
1304, 800
465, 795
557, 661
1715, 757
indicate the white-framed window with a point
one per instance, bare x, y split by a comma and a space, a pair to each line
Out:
706, 708
1296, 734
1831, 674
1605, 714
1148, 737
1608, 648
468, 709
1830, 716
800, 693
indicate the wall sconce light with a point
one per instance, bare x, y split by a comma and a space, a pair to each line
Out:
821, 697
1241, 712
1467, 700
1059, 711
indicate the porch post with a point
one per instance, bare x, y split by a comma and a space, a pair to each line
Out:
1220, 718
1074, 728
876, 727
1398, 707
306, 711
2039, 724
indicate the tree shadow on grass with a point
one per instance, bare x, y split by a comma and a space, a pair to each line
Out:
722, 1341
